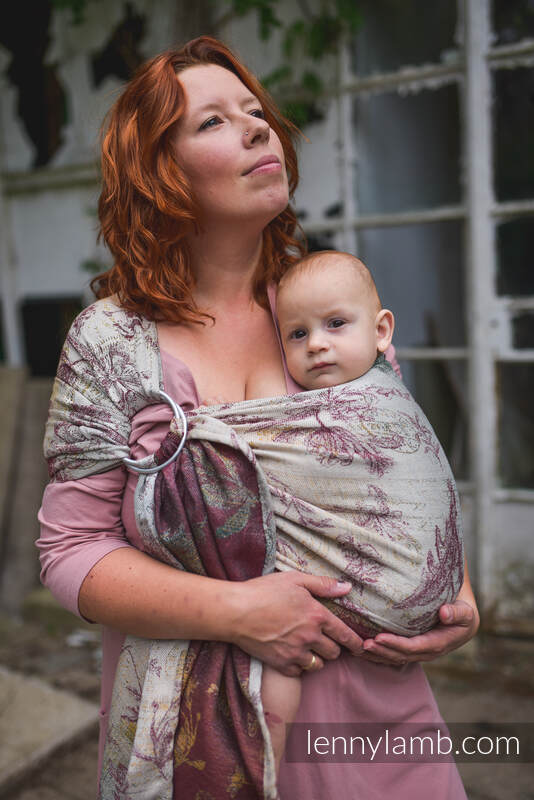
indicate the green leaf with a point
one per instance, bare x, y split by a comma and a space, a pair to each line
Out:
349, 13
77, 8
324, 34
302, 113
297, 30
277, 76
311, 82
268, 20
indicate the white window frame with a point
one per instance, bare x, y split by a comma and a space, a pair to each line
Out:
480, 212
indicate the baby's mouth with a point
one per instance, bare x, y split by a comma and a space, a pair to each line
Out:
320, 365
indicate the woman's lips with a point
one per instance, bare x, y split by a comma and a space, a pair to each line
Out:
274, 166
265, 164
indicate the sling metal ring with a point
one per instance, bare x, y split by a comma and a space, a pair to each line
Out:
178, 413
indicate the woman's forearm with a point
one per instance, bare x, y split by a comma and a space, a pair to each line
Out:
274, 617
132, 592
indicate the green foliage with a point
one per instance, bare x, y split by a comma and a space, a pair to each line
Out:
77, 8
93, 266
267, 19
314, 35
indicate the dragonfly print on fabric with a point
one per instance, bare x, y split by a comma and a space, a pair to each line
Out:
443, 574
292, 507
380, 515
109, 369
362, 562
362, 433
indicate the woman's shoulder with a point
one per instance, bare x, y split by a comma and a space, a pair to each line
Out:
105, 321
113, 351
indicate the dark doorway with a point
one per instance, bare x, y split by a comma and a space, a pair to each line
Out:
45, 322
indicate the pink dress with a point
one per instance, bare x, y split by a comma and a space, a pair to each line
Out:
84, 520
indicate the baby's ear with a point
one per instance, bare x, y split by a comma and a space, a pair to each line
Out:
385, 324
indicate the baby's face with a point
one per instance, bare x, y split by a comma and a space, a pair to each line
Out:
328, 324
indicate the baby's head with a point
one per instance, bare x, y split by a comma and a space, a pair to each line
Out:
331, 322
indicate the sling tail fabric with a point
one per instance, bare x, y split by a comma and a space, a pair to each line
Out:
350, 482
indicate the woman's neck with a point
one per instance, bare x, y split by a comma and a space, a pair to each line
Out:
224, 263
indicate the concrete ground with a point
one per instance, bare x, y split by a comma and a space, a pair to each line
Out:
493, 681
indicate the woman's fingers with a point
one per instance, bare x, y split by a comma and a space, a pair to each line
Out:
333, 628
278, 620
312, 663
327, 648
458, 621
321, 585
337, 631
459, 613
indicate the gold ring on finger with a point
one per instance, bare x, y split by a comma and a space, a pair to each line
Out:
312, 663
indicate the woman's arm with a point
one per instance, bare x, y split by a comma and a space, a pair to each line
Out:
93, 570
459, 622
274, 617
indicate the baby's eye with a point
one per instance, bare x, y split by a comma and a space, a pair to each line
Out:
209, 123
336, 323
299, 333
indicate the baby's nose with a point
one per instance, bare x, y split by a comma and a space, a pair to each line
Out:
317, 341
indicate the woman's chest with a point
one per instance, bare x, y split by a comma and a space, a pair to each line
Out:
237, 358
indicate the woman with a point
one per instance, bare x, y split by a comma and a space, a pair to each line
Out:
198, 167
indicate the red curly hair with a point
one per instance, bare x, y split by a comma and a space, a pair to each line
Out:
146, 207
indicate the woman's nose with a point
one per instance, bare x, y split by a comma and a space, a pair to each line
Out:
256, 130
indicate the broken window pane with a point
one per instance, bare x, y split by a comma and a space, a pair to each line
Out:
440, 388
407, 150
523, 330
515, 246
513, 20
515, 387
513, 91
394, 33
419, 274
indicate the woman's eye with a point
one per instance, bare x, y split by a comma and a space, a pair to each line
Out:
209, 123
258, 112
336, 323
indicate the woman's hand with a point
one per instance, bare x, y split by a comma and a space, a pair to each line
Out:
278, 621
458, 623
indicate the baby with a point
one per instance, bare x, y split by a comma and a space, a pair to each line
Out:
332, 328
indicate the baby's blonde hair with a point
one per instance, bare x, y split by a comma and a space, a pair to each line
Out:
324, 258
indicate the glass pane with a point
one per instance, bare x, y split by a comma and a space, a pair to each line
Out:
407, 150
513, 20
516, 424
395, 33
515, 246
318, 193
418, 271
523, 330
440, 388
514, 145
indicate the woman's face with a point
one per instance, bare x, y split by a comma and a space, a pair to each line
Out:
234, 161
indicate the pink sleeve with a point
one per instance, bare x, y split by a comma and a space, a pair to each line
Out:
390, 355
80, 524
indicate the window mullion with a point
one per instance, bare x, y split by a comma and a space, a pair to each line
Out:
479, 284
346, 156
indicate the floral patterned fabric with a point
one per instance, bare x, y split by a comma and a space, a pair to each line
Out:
109, 369
348, 481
